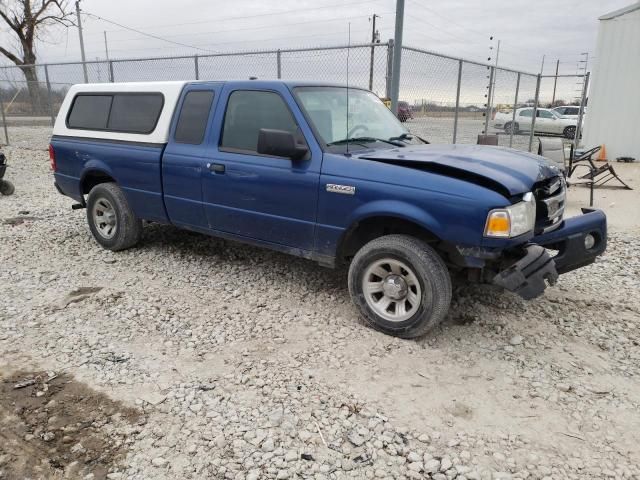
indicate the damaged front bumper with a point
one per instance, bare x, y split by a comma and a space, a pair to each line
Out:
578, 241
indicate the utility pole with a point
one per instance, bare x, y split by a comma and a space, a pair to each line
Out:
555, 83
106, 46
375, 38
84, 60
542, 66
397, 56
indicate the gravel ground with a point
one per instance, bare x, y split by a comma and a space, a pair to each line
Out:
242, 363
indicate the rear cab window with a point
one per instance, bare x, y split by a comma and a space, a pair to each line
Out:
194, 116
116, 112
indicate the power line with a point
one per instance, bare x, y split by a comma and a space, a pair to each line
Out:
464, 27
261, 40
263, 27
259, 15
147, 34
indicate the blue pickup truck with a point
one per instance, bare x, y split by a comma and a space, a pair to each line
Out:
323, 172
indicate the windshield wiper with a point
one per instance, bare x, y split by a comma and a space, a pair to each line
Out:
365, 139
404, 136
408, 136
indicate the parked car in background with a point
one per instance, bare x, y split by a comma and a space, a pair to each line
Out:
569, 111
404, 111
547, 122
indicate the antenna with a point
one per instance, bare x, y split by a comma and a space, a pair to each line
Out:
348, 49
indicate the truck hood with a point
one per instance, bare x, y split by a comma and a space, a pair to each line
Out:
507, 171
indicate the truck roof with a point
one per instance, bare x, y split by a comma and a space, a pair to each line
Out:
171, 92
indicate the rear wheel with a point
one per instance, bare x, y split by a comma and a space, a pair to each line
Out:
111, 219
6, 187
400, 285
510, 127
569, 132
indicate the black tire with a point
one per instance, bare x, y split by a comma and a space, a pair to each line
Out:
509, 125
569, 132
127, 230
6, 187
432, 275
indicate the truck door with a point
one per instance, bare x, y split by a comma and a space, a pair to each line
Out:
186, 153
260, 197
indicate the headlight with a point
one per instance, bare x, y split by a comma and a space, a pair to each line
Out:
513, 220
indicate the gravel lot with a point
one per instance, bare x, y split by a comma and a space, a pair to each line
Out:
191, 357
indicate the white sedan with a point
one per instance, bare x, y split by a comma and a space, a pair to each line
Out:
547, 121
569, 111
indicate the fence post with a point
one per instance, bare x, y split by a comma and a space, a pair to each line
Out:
535, 112
111, 71
389, 68
487, 113
279, 63
197, 66
455, 117
576, 138
513, 115
4, 120
46, 76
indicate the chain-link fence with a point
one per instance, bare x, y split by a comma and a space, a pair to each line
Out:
442, 98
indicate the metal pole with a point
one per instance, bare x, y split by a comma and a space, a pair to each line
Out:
455, 117
196, 66
111, 72
513, 115
397, 56
4, 121
373, 40
555, 83
489, 100
387, 91
583, 101
495, 74
46, 76
106, 46
84, 60
279, 63
535, 112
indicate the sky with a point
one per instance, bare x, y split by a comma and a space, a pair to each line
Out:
527, 29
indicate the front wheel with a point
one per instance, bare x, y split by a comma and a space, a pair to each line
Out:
113, 223
400, 285
6, 187
569, 132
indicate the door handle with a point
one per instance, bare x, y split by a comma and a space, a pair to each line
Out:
216, 167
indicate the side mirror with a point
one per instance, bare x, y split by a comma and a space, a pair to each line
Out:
280, 143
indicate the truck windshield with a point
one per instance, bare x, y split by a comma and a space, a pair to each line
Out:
369, 124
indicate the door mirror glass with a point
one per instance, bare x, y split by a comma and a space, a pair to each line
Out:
280, 143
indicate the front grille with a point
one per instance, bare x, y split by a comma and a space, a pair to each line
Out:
550, 198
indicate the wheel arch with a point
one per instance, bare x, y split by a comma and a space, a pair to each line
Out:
403, 219
94, 175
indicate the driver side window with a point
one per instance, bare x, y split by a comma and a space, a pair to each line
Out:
247, 112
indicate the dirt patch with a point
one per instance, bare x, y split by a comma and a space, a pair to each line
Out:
52, 426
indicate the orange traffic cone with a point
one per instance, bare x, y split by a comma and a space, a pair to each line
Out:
602, 156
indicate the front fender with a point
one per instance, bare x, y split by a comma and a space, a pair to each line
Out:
397, 209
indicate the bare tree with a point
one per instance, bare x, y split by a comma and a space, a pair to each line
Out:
28, 20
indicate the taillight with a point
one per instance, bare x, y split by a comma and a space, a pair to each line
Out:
52, 157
